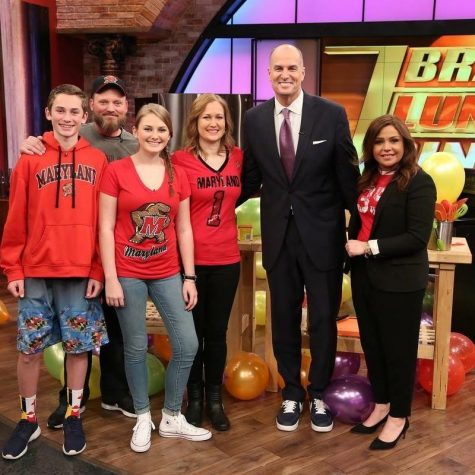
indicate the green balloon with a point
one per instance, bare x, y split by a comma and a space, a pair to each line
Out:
250, 213
53, 356
156, 375
428, 302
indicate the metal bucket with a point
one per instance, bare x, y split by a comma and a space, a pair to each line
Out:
441, 237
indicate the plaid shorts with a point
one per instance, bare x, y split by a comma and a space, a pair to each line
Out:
55, 310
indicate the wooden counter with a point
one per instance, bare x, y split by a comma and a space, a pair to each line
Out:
242, 322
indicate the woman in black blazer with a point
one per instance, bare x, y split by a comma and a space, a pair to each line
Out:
389, 268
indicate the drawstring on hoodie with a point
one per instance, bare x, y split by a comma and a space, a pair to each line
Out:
58, 177
73, 173
73, 176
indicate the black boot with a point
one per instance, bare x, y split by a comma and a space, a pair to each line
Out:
215, 409
194, 409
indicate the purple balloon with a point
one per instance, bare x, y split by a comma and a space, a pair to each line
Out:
345, 364
350, 398
426, 319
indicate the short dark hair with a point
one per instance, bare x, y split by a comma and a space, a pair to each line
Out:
70, 90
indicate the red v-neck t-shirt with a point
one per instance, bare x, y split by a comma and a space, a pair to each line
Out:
213, 199
145, 238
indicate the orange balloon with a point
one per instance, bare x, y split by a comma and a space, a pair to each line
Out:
246, 376
4, 313
163, 347
304, 370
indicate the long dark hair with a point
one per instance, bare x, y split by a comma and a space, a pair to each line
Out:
408, 166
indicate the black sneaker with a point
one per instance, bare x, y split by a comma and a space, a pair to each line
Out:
17, 444
125, 405
74, 439
56, 418
288, 417
320, 416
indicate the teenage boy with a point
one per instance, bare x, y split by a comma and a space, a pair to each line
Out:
109, 105
49, 255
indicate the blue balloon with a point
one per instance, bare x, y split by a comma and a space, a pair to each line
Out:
350, 398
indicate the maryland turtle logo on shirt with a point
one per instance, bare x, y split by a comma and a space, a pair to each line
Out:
150, 221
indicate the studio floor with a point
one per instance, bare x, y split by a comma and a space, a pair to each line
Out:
438, 442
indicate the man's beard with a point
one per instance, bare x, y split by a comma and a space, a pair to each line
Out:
108, 126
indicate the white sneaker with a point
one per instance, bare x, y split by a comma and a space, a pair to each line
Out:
140, 441
177, 426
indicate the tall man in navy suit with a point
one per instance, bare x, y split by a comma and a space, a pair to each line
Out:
305, 188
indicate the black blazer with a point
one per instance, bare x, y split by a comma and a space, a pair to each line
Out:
402, 227
322, 186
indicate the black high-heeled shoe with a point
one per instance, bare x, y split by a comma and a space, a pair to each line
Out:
362, 429
378, 444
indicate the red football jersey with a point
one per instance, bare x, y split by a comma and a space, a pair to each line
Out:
213, 199
145, 238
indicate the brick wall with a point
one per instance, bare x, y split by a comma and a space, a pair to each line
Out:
155, 64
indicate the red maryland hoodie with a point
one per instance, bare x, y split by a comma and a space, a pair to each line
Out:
51, 228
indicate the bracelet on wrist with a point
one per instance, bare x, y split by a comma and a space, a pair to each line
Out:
190, 278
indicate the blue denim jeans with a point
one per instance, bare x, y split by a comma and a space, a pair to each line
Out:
166, 294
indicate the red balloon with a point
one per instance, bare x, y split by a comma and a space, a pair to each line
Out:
456, 375
462, 347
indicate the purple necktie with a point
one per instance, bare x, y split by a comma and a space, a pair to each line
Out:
286, 145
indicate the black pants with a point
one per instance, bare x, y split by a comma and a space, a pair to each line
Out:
216, 287
291, 273
114, 385
389, 332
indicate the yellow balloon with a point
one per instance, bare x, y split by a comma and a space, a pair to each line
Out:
260, 307
448, 175
94, 378
345, 288
260, 271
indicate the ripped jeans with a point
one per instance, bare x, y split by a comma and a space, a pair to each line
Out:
55, 310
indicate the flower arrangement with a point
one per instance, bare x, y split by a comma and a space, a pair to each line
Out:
445, 211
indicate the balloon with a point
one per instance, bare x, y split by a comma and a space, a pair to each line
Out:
53, 357
4, 313
156, 375
163, 347
350, 398
456, 375
428, 302
304, 371
346, 364
260, 271
250, 213
345, 288
448, 175
246, 376
462, 347
427, 320
260, 307
94, 378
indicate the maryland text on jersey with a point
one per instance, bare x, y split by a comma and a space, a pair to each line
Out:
64, 172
